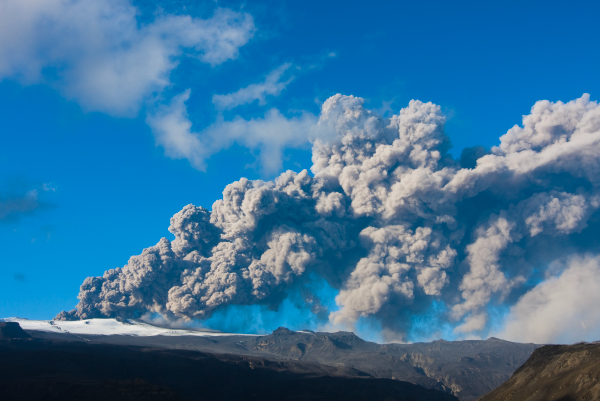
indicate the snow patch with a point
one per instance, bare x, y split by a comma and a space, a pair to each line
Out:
127, 327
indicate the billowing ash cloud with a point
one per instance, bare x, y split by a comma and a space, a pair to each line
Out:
388, 219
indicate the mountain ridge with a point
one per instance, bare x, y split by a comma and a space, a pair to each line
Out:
467, 369
42, 369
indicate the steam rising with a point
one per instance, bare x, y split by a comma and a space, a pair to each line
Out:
388, 218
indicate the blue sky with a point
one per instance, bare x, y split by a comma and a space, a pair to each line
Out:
105, 190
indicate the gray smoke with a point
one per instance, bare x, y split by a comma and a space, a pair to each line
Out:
388, 218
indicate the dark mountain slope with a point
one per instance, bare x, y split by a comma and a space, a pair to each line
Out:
35, 369
554, 373
467, 369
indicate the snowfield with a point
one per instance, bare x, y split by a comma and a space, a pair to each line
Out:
105, 327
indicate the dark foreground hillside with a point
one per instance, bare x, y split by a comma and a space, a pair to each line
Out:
37, 369
554, 373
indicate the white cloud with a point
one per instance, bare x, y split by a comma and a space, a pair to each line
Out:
173, 131
270, 134
96, 52
562, 309
272, 85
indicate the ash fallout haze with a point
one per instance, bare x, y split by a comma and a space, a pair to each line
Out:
408, 171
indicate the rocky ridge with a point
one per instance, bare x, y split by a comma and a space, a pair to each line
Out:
42, 369
467, 369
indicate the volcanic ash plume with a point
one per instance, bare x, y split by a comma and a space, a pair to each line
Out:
388, 219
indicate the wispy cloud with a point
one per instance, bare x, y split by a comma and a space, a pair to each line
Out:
20, 200
272, 85
97, 53
270, 134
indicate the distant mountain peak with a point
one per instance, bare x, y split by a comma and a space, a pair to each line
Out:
282, 330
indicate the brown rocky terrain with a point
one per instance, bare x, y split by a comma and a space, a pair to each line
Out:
554, 373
